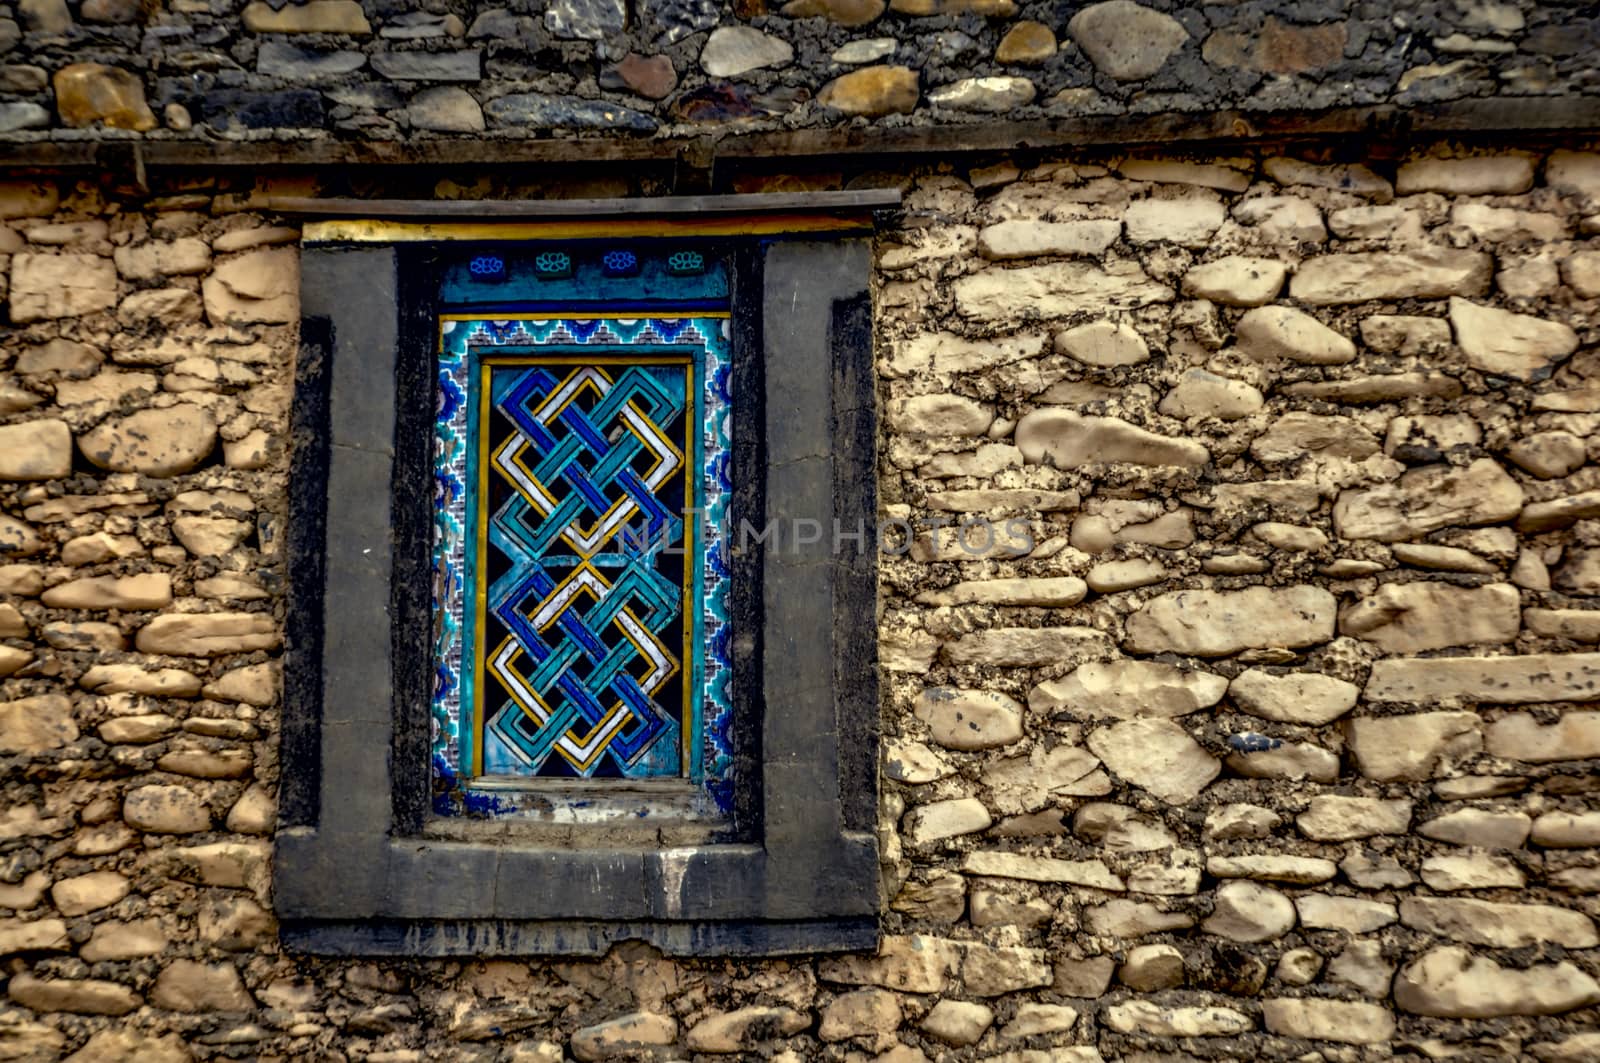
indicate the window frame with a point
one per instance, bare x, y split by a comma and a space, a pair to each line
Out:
353, 873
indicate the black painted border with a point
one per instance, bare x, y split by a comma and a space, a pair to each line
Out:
352, 876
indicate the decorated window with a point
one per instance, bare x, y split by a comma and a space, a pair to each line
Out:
562, 672
581, 539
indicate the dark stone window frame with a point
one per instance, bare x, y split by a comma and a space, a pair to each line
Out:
354, 873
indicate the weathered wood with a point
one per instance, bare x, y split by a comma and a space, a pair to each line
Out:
1528, 117
677, 206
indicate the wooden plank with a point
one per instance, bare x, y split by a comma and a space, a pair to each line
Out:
684, 207
1529, 117
360, 228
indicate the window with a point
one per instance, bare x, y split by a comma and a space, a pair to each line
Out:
562, 672
582, 535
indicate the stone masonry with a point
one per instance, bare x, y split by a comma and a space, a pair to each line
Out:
196, 70
1274, 737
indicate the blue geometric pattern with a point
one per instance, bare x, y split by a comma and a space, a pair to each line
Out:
568, 641
581, 476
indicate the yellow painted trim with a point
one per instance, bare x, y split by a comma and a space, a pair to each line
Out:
374, 231
480, 577
612, 315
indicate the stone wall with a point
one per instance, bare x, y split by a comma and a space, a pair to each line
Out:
383, 72
1268, 731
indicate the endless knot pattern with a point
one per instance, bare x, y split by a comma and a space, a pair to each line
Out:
600, 653
581, 659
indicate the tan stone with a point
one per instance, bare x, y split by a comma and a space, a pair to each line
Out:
1190, 221
1507, 344
915, 963
1413, 747
944, 353
1328, 1020
162, 442
1220, 623
33, 935
132, 679
130, 1046
1353, 915
1103, 343
1033, 238
1449, 872
1413, 617
16, 538
1091, 873
1269, 333
162, 809
1405, 334
1297, 697
1451, 982
149, 590
1032, 782
1250, 913
862, 1013
1065, 439
1581, 271
958, 1022
137, 730
169, 306
36, 724
1333, 817
1286, 760
1559, 512
1297, 434
1111, 576
1125, 689
82, 894
257, 287
873, 91
1567, 830
210, 536
1496, 680
94, 94
1056, 289
185, 985
1236, 280
34, 450
1027, 647
1431, 273
152, 262
1026, 44
1202, 394
1427, 499
81, 997
1156, 755
208, 634
1231, 175
28, 199
1575, 736
624, 1036
940, 415
941, 820
848, 13
1548, 455
1480, 176
235, 865
206, 764
315, 16
254, 684
1150, 1019
969, 719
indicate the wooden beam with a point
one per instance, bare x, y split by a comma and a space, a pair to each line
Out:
1557, 119
686, 208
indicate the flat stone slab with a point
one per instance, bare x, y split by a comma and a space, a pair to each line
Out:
1496, 680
